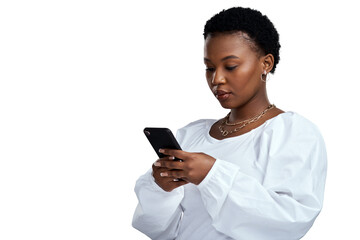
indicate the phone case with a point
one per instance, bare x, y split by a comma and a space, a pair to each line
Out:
161, 138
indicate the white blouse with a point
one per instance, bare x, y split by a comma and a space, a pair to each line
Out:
267, 184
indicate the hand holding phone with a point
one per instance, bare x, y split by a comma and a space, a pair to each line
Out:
177, 174
162, 138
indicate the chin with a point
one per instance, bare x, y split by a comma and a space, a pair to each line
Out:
227, 105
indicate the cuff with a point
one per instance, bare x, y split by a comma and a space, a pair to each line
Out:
153, 185
217, 184
221, 172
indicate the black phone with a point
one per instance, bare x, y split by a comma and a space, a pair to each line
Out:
161, 138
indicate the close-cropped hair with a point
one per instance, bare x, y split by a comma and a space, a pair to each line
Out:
259, 29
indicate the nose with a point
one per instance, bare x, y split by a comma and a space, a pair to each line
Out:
218, 78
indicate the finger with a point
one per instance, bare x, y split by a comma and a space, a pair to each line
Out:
179, 183
180, 154
172, 180
170, 164
172, 185
173, 174
157, 170
157, 163
160, 172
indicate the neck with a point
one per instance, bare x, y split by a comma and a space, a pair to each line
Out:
250, 109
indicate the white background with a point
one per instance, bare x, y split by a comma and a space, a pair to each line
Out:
79, 80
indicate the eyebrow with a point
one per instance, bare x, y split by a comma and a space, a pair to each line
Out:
223, 59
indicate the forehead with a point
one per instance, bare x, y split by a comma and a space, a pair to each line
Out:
225, 44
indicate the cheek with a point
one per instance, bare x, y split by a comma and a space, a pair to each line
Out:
208, 77
246, 83
247, 75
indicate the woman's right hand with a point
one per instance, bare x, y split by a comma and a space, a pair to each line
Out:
166, 183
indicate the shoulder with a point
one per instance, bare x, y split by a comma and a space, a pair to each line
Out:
292, 122
291, 128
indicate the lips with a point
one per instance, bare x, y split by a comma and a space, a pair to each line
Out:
222, 95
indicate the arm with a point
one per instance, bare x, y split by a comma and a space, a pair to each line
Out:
158, 212
241, 207
282, 205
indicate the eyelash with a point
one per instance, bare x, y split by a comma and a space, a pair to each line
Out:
231, 68
227, 68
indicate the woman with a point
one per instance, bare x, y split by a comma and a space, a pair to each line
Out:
258, 173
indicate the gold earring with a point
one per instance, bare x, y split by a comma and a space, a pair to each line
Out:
266, 76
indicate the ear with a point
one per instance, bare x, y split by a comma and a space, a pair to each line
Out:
268, 62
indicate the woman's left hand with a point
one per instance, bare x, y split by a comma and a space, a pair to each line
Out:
193, 168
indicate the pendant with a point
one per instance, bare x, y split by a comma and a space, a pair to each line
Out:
224, 133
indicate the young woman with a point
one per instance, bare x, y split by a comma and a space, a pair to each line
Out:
259, 172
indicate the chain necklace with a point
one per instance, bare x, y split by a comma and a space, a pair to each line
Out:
243, 123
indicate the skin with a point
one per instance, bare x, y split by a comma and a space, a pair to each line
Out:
234, 66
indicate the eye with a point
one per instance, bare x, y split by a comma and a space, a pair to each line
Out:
210, 69
230, 68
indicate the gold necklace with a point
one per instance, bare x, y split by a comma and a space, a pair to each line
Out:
244, 122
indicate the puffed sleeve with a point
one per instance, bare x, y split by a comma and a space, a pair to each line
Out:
158, 212
283, 204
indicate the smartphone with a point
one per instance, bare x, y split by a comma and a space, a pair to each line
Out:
161, 138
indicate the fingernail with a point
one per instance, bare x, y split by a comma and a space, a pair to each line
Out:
172, 158
163, 174
161, 150
157, 164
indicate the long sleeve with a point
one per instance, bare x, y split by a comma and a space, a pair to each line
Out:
284, 202
158, 212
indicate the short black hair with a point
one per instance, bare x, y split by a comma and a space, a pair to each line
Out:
252, 22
